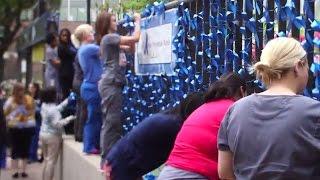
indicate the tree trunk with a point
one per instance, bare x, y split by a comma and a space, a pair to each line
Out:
1, 66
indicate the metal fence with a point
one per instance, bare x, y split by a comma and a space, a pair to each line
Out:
216, 37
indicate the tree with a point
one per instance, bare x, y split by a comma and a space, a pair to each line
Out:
127, 5
135, 4
10, 23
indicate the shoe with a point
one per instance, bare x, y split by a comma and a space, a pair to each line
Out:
93, 151
24, 175
40, 160
15, 175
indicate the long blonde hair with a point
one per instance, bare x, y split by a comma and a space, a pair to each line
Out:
80, 32
278, 56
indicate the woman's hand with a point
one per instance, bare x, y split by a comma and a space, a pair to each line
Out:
137, 17
107, 170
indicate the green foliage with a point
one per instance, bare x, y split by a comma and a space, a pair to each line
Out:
10, 12
135, 5
127, 5
10, 23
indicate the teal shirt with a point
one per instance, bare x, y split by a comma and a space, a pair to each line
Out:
90, 63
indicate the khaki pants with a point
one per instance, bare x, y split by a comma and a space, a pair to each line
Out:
51, 147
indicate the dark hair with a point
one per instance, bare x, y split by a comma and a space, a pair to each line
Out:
227, 87
191, 103
103, 24
48, 95
37, 93
50, 38
68, 36
187, 105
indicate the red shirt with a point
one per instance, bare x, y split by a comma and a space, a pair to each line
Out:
195, 148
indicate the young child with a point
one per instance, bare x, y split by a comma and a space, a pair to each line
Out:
51, 129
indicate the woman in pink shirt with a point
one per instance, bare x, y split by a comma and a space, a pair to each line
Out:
195, 153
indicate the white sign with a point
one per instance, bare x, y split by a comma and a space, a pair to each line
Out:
155, 46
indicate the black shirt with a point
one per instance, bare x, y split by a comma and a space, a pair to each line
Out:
66, 55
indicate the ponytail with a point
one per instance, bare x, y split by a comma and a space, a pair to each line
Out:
227, 87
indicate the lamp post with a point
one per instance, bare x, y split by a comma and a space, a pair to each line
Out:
88, 11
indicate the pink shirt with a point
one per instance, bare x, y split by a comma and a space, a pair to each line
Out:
195, 148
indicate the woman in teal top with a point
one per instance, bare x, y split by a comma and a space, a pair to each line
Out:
91, 66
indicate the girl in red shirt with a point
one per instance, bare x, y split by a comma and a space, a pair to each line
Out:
195, 153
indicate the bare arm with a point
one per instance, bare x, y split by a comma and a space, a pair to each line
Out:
128, 49
55, 62
225, 165
129, 40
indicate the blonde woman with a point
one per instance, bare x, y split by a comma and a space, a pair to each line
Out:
274, 134
88, 55
19, 111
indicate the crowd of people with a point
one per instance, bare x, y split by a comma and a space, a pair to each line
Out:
222, 133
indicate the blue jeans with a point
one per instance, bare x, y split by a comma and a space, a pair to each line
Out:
3, 157
91, 132
33, 152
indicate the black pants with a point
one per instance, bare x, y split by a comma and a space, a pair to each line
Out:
66, 85
20, 142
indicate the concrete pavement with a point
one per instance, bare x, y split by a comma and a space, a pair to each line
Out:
34, 171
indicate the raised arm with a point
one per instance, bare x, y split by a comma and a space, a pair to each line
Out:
62, 105
129, 40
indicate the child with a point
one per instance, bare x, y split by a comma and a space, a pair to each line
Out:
51, 129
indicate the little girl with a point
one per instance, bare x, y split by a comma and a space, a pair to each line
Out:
51, 129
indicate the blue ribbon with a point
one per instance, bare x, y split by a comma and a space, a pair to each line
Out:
315, 25
161, 92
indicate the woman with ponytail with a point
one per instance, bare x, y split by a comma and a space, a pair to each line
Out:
195, 153
274, 134
113, 79
90, 63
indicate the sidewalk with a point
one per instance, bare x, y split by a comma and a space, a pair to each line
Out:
34, 171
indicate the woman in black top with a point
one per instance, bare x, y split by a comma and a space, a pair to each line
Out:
149, 144
66, 53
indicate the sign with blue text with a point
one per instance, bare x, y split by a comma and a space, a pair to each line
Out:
154, 55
